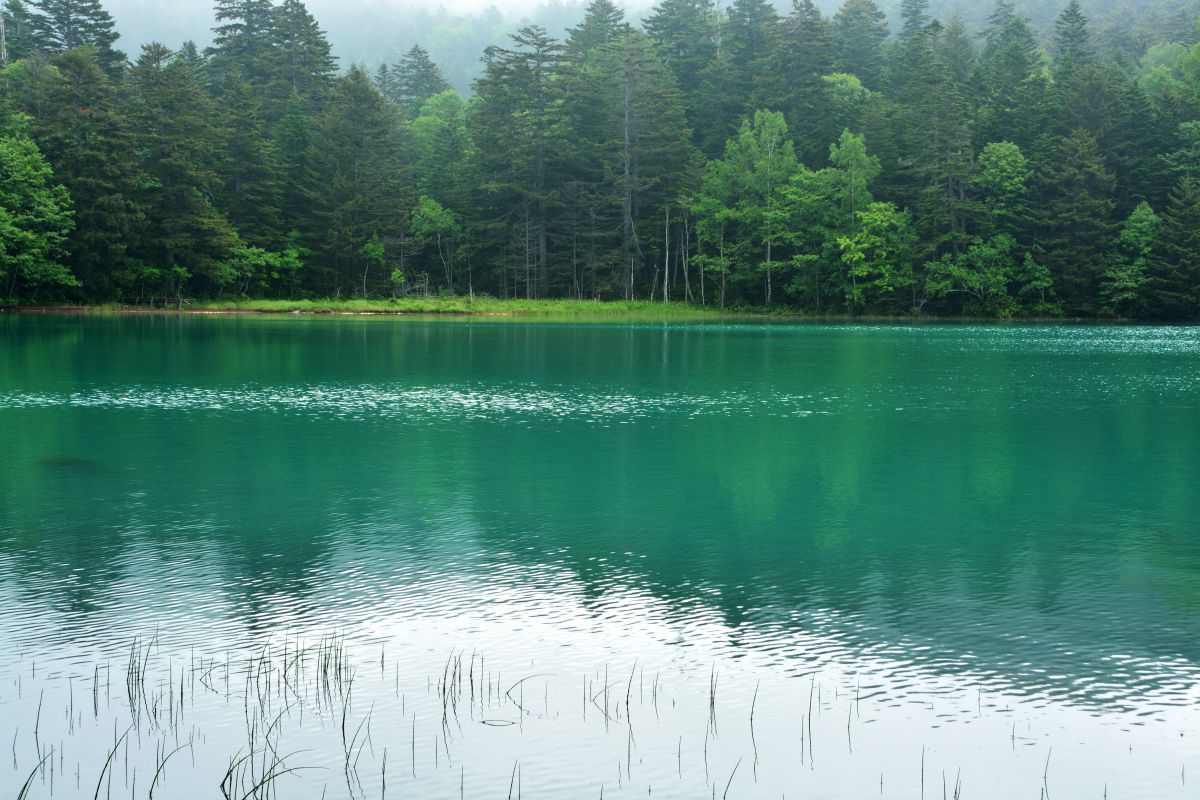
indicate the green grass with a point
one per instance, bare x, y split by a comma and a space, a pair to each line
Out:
478, 306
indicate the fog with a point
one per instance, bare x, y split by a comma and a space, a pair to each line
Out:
373, 32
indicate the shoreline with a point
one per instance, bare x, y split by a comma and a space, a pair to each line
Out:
582, 310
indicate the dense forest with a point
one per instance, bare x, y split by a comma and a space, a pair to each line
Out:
732, 156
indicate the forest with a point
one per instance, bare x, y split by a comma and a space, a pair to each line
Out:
825, 162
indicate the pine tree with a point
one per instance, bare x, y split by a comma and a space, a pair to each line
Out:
795, 84
860, 30
684, 34
914, 17
180, 139
751, 39
301, 60
1072, 41
242, 40
603, 22
87, 138
19, 37
1077, 217
520, 131
60, 25
1175, 274
364, 188
417, 80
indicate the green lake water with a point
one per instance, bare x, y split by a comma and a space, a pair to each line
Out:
468, 558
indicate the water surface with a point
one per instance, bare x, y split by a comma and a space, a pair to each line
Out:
564, 559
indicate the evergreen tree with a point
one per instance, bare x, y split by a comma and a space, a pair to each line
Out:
60, 25
914, 17
1014, 93
603, 22
861, 29
519, 138
1078, 191
751, 39
251, 170
19, 37
1175, 273
958, 51
179, 144
1072, 41
796, 84
364, 189
86, 137
417, 79
242, 40
301, 61
684, 33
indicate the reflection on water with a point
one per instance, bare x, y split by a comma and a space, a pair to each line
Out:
962, 546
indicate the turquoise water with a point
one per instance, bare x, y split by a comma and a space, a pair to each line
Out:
527, 553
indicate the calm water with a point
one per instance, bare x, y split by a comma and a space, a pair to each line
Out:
444, 559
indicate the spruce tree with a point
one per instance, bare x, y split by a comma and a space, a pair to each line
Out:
751, 39
914, 16
603, 22
860, 30
1175, 273
1072, 41
242, 39
301, 60
87, 138
180, 140
1076, 217
684, 34
60, 25
795, 84
418, 79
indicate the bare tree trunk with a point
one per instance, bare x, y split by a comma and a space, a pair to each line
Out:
666, 253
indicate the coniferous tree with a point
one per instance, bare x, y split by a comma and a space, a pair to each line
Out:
1175, 273
301, 61
179, 144
750, 40
520, 134
914, 17
19, 37
417, 79
684, 33
61, 25
242, 39
1076, 217
365, 191
861, 29
796, 83
1072, 41
603, 22
86, 136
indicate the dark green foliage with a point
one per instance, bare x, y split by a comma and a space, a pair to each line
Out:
861, 30
60, 25
416, 79
992, 163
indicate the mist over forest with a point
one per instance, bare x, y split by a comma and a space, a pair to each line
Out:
373, 32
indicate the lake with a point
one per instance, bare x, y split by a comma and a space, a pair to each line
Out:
364, 557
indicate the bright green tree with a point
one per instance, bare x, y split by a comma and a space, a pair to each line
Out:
35, 217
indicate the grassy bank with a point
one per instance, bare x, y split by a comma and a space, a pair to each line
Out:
471, 306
